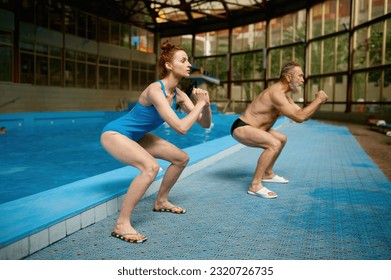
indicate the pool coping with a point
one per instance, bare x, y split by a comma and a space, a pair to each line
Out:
34, 222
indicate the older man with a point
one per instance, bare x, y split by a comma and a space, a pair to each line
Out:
254, 127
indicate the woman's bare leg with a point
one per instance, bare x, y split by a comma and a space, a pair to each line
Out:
179, 159
130, 153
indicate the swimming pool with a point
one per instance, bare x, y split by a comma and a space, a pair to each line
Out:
45, 156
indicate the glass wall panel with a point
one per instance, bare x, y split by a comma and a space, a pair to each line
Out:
288, 29
275, 32
343, 17
249, 37
275, 63
55, 72
314, 85
211, 43
104, 31
329, 56
27, 68
104, 72
216, 67
342, 55
221, 42
81, 75
288, 26
125, 36
200, 44
142, 40
114, 33
81, 24
91, 76
375, 44
316, 51
361, 11
70, 70
388, 41
124, 82
91, 71
55, 16
316, 25
242, 38
374, 85
41, 70
69, 20
330, 18
91, 27
5, 56
359, 87
377, 8
260, 35
386, 96
114, 78
341, 87
360, 48
246, 91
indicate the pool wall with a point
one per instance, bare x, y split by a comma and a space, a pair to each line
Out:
30, 121
34, 222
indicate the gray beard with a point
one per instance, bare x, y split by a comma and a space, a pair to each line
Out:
294, 87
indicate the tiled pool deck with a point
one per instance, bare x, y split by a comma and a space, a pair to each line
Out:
337, 206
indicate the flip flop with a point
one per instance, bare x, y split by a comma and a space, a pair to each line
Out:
130, 240
276, 179
170, 210
263, 192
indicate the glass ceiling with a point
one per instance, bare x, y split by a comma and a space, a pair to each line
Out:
178, 17
183, 10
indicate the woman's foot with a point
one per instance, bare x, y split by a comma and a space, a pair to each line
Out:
168, 207
128, 234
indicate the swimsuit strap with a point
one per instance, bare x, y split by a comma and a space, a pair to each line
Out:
164, 89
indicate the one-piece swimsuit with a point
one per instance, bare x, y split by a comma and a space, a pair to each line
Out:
138, 121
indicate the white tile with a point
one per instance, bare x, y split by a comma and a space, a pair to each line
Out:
15, 251
100, 212
57, 232
112, 206
120, 200
73, 224
87, 218
39, 241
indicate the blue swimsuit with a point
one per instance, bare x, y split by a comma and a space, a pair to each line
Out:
139, 121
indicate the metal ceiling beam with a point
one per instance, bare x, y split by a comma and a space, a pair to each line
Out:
144, 14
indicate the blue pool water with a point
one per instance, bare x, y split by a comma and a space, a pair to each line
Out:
46, 157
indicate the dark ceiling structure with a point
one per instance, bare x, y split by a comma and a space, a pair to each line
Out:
179, 17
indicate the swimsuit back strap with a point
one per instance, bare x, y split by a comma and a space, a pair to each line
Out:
163, 88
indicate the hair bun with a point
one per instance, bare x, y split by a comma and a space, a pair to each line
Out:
167, 46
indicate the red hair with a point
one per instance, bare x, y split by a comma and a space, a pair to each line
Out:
167, 55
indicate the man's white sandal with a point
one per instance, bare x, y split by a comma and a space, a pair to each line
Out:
263, 192
276, 179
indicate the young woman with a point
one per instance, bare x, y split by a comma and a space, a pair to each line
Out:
128, 138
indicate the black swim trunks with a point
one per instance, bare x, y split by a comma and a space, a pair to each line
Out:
237, 124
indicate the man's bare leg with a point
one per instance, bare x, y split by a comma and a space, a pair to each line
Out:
269, 173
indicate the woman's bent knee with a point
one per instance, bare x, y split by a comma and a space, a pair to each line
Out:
151, 170
182, 160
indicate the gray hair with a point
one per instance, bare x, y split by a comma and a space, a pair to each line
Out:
287, 68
